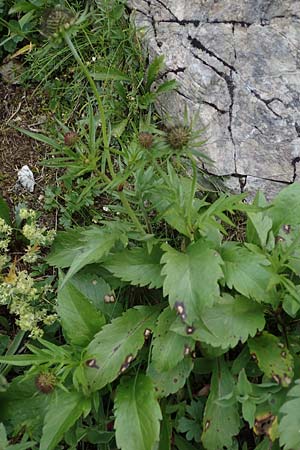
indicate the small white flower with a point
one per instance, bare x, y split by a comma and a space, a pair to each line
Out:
26, 178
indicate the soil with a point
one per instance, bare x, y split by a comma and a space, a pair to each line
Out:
21, 107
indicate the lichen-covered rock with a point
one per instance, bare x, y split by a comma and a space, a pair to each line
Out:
238, 65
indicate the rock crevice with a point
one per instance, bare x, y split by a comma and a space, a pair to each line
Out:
238, 66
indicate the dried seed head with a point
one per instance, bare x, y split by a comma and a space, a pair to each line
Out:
178, 137
146, 139
45, 382
70, 138
55, 20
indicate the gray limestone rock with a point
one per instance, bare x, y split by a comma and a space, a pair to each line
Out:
238, 66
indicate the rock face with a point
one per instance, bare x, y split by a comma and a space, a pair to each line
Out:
238, 65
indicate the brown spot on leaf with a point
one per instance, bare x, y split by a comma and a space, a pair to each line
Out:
147, 333
286, 228
280, 345
187, 350
253, 356
190, 330
92, 363
276, 378
207, 425
263, 424
109, 298
180, 309
283, 354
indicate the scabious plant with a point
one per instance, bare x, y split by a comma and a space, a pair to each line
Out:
25, 296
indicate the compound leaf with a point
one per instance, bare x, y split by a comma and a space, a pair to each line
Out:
137, 414
220, 422
192, 277
169, 348
137, 266
116, 345
289, 426
272, 357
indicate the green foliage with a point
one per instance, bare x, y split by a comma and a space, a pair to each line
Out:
183, 284
225, 324
220, 422
169, 348
79, 317
61, 414
137, 414
170, 331
273, 358
290, 423
115, 347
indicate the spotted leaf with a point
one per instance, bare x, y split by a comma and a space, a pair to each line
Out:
113, 349
191, 278
272, 357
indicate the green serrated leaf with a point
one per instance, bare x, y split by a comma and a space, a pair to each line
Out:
229, 321
95, 289
169, 348
258, 228
246, 272
289, 425
273, 358
89, 245
286, 207
117, 345
153, 70
137, 266
220, 423
191, 278
169, 382
61, 415
137, 414
79, 318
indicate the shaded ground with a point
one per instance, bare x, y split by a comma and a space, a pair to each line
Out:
22, 108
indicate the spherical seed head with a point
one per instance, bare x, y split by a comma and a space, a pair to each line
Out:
45, 382
146, 139
70, 138
178, 137
55, 20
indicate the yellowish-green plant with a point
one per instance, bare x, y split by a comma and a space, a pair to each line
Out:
26, 296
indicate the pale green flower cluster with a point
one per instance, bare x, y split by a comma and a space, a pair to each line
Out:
24, 296
20, 293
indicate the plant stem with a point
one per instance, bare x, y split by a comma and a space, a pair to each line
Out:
99, 101
131, 213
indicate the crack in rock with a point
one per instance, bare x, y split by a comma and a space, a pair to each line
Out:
242, 57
